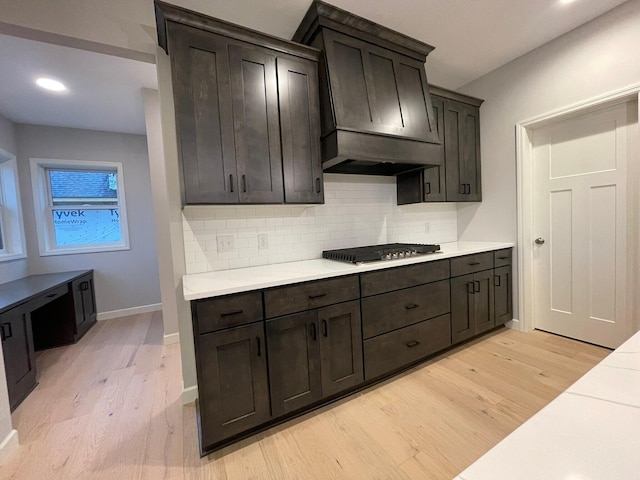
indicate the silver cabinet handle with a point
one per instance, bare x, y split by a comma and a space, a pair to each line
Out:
539, 240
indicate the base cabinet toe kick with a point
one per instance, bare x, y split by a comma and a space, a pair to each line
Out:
266, 356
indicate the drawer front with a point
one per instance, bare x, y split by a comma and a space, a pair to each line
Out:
226, 312
48, 296
395, 350
391, 279
502, 257
471, 263
390, 311
305, 296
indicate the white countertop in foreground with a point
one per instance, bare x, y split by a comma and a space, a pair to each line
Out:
224, 282
590, 432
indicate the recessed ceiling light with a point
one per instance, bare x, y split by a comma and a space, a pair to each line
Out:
51, 84
567, 1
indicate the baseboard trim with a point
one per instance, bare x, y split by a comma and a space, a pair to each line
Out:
515, 324
125, 312
172, 338
9, 445
189, 395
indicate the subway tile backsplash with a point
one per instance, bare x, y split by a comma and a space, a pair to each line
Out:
358, 210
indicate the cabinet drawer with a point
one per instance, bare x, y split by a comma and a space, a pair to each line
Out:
390, 311
48, 296
395, 350
391, 279
471, 263
225, 312
305, 296
502, 257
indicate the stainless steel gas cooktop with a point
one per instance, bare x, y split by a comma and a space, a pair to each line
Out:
375, 253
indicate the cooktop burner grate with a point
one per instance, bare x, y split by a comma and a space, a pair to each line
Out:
375, 253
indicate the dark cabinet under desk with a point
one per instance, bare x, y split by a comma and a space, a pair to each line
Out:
38, 312
17, 348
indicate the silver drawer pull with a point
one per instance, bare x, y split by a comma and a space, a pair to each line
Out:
412, 343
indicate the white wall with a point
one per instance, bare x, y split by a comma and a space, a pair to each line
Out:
14, 269
9, 271
358, 210
123, 279
599, 57
159, 189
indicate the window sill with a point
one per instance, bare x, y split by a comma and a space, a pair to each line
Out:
74, 251
7, 257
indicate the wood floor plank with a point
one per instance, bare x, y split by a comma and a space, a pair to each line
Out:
109, 407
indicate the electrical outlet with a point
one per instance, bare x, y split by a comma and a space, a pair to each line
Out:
225, 243
263, 241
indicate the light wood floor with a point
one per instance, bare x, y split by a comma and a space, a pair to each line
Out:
109, 408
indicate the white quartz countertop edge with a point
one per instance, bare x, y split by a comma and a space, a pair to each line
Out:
225, 282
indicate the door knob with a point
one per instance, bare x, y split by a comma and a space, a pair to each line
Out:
539, 240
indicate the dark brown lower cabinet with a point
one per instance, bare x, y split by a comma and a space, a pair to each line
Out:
294, 361
503, 295
472, 305
233, 387
385, 353
340, 347
17, 348
314, 354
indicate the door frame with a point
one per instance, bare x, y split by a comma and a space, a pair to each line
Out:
524, 199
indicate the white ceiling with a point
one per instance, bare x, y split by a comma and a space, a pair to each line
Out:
472, 38
104, 92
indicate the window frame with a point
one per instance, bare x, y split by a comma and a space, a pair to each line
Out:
11, 220
43, 206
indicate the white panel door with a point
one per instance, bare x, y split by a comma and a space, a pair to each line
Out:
580, 222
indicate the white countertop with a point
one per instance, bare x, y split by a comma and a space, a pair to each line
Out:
591, 431
224, 282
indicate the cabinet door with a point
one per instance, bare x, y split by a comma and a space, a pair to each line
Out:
300, 130
378, 90
17, 349
503, 296
484, 301
233, 388
434, 183
462, 152
204, 120
256, 125
462, 308
84, 304
340, 347
294, 361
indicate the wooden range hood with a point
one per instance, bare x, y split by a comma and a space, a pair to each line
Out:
375, 106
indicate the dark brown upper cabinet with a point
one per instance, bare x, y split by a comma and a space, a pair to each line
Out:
458, 179
247, 112
374, 99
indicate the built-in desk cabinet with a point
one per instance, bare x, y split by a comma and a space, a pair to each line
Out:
38, 312
84, 303
17, 348
267, 355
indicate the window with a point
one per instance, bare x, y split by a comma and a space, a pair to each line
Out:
80, 206
11, 228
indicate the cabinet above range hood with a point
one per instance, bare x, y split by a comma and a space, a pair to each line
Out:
375, 105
